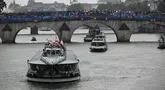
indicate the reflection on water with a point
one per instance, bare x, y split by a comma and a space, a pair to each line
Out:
80, 38
39, 38
24, 36
144, 37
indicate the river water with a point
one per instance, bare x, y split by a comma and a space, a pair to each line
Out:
138, 65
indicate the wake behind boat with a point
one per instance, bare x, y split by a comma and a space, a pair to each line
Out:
54, 64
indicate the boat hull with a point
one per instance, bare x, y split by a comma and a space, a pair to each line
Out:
88, 40
98, 50
161, 47
53, 80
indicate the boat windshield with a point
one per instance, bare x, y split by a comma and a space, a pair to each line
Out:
100, 36
57, 52
52, 52
53, 48
98, 44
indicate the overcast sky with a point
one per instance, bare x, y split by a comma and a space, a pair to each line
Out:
24, 2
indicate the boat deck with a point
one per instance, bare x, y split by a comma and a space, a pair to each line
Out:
71, 58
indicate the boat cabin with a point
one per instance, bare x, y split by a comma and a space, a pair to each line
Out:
101, 35
98, 42
53, 49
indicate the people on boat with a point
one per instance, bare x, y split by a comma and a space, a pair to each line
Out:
56, 44
97, 31
161, 39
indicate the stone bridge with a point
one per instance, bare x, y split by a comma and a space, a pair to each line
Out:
123, 29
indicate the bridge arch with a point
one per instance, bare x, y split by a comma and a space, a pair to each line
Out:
55, 26
41, 36
149, 23
153, 33
75, 25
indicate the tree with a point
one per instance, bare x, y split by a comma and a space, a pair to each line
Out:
139, 7
75, 7
110, 6
107, 6
2, 5
161, 5
119, 6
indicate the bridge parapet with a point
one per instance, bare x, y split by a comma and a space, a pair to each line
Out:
79, 15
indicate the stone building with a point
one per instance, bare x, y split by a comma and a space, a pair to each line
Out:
38, 6
109, 1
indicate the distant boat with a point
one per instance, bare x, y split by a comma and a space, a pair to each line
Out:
33, 39
161, 42
91, 34
44, 29
100, 35
88, 38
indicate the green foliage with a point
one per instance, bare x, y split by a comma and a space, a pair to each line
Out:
110, 6
139, 7
75, 7
104, 7
2, 5
119, 6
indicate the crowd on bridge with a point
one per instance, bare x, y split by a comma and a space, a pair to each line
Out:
78, 15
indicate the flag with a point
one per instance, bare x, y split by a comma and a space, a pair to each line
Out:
57, 41
62, 42
35, 21
49, 40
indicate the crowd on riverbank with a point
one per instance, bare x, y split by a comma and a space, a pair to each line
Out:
78, 15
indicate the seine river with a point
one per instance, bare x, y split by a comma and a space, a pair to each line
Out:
138, 65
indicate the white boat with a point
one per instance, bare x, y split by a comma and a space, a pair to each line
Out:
44, 29
98, 44
92, 34
101, 35
53, 64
